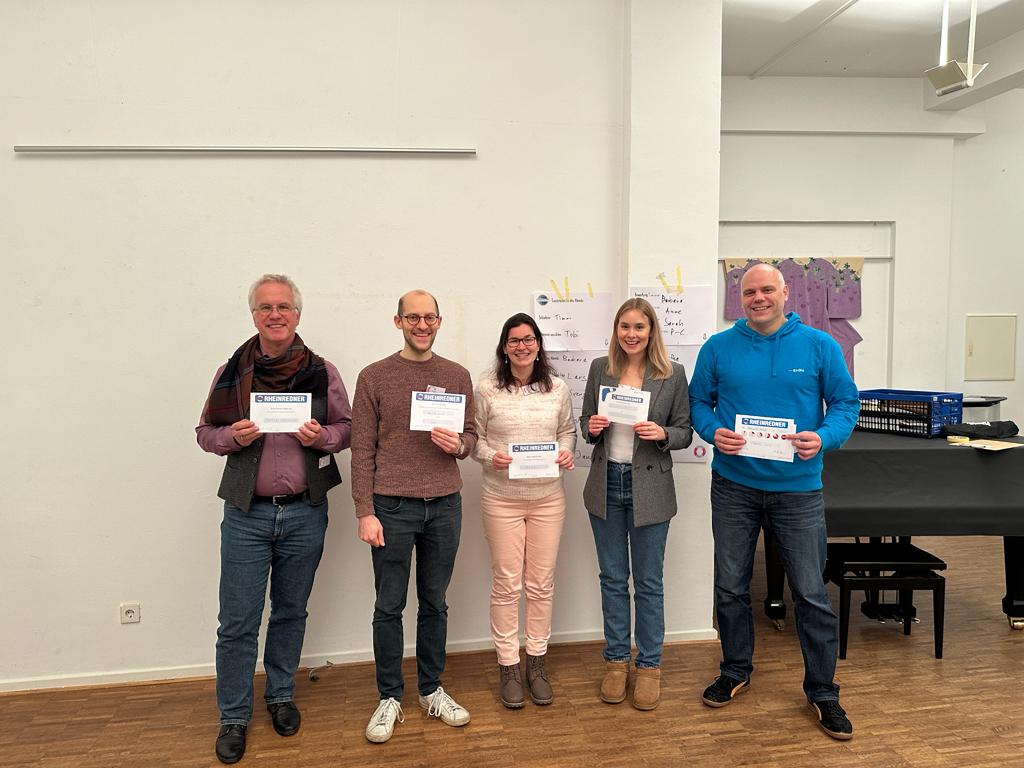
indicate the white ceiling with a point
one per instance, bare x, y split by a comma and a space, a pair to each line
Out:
872, 38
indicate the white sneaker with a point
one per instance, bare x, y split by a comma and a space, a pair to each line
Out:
440, 704
382, 723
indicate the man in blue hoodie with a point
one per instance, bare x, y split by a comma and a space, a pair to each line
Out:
773, 368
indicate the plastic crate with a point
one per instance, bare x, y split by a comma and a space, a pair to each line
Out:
909, 411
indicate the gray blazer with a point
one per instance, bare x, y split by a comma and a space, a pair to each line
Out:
654, 492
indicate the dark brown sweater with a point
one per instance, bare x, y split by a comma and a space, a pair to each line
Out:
387, 457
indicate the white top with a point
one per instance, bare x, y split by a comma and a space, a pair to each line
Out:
519, 416
620, 443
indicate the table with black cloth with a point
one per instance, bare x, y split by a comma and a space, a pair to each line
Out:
888, 485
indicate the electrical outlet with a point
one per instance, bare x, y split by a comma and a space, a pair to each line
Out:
131, 613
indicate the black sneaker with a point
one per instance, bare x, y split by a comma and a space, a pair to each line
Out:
723, 690
832, 719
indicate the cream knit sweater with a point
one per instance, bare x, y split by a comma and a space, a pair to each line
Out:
504, 417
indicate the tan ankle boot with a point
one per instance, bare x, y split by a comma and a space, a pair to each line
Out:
647, 688
613, 687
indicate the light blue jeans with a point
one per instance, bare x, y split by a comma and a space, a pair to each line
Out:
798, 521
284, 544
618, 543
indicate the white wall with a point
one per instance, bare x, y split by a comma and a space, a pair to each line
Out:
859, 175
850, 150
127, 275
986, 270
672, 211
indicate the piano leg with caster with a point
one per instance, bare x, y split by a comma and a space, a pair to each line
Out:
774, 605
1013, 563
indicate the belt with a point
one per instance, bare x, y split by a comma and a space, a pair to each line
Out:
283, 499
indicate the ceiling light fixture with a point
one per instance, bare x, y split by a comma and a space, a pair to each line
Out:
955, 75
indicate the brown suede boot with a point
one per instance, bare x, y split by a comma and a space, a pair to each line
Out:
537, 680
510, 689
613, 687
647, 689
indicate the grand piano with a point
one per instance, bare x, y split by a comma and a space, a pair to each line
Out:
889, 485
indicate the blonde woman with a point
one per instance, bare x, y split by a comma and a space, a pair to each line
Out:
521, 401
630, 496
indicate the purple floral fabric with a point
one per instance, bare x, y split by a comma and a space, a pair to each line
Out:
824, 292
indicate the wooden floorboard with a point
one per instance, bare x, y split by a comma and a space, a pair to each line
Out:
908, 708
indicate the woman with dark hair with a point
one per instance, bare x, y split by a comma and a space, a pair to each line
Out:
520, 401
631, 496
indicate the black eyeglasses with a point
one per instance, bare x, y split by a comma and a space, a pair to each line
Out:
414, 319
526, 341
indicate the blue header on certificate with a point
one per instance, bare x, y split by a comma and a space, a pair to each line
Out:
756, 421
438, 397
533, 447
278, 398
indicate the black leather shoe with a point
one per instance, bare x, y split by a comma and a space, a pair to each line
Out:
286, 717
231, 743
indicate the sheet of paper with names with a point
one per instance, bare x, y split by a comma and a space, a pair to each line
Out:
580, 322
686, 316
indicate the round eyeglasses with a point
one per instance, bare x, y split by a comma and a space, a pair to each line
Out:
414, 319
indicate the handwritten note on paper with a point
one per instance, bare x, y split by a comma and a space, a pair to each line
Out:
572, 368
686, 317
579, 322
698, 452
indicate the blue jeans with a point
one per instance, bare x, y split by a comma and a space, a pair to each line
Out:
283, 543
432, 527
618, 542
798, 521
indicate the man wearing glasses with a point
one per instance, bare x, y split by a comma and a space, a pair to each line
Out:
406, 485
275, 507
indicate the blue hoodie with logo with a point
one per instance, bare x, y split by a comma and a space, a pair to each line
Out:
790, 374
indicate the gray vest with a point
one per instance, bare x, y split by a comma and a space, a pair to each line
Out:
239, 479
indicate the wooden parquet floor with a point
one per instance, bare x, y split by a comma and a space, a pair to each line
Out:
908, 708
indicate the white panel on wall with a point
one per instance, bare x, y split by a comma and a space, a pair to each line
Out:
990, 342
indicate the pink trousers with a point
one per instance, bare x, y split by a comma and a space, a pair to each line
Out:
523, 535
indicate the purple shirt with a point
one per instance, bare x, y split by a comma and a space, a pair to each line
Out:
282, 464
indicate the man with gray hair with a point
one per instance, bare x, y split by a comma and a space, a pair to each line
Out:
275, 506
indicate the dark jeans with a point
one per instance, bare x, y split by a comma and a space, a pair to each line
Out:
283, 543
431, 527
618, 543
798, 521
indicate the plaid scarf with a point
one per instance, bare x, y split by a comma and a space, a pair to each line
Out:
297, 369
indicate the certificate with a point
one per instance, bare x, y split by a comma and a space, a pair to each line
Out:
280, 411
437, 409
624, 405
532, 460
764, 437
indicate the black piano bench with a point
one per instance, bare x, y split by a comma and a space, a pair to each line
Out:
886, 565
